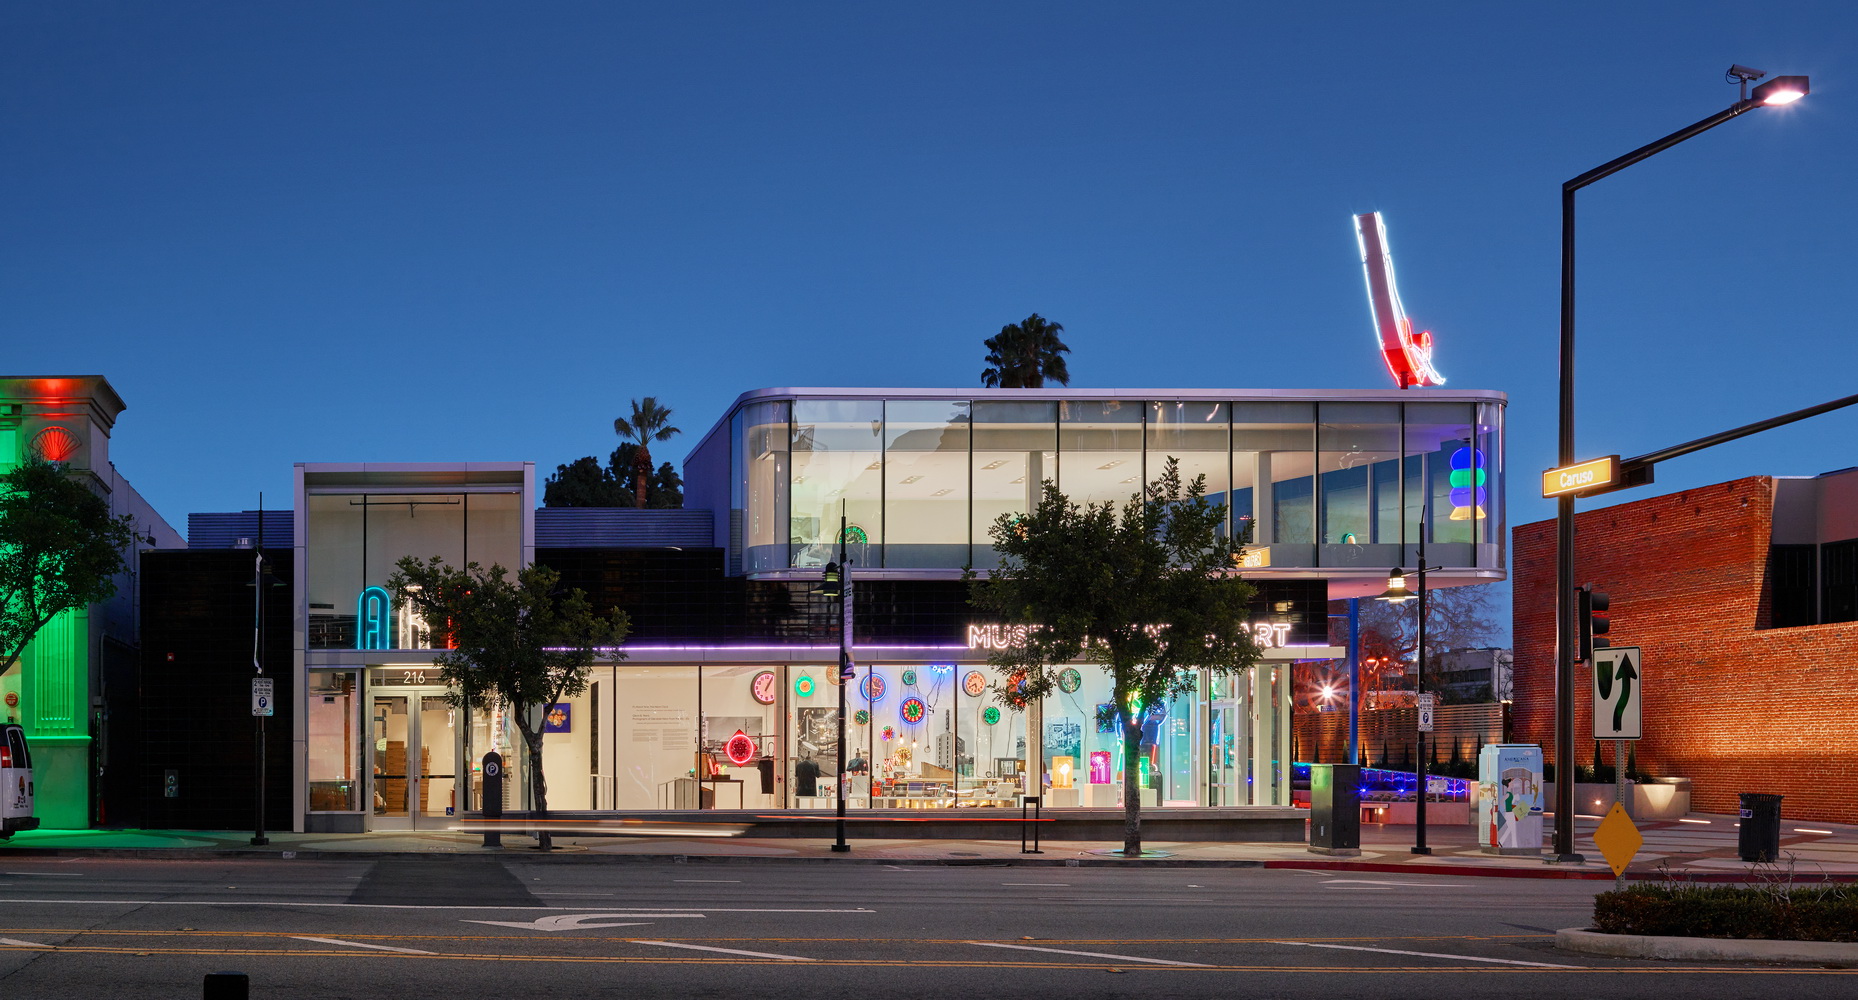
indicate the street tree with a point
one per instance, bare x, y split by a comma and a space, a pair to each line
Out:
649, 422
584, 482
60, 549
1025, 354
1147, 593
524, 642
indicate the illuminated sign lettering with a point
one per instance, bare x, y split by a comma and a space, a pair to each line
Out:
373, 619
1270, 635
1595, 476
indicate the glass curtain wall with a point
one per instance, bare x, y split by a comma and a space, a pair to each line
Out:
1015, 447
1200, 436
926, 483
1358, 455
764, 448
1273, 474
837, 467
1438, 439
1100, 451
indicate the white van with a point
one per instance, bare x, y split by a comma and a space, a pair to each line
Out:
15, 782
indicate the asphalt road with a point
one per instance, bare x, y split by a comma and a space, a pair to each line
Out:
464, 927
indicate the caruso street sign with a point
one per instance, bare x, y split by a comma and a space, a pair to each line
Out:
1596, 476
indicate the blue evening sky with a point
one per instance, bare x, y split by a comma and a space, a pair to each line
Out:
472, 231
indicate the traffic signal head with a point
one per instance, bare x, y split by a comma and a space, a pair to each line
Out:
1592, 609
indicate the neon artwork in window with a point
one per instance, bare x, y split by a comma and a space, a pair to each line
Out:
1468, 496
373, 619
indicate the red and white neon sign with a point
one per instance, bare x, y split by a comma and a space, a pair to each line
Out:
1408, 354
740, 748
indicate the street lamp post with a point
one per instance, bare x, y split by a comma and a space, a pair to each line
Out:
1778, 91
838, 584
1398, 594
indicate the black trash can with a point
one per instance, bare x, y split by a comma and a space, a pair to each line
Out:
1760, 836
1335, 809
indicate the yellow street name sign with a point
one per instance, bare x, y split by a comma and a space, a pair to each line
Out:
1596, 475
1618, 839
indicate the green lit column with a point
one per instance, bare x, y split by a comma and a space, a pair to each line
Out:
54, 706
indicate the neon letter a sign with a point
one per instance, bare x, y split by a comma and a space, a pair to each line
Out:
373, 616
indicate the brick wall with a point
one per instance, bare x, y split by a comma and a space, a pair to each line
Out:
1729, 704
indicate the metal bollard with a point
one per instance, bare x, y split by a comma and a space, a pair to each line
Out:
1036, 802
227, 986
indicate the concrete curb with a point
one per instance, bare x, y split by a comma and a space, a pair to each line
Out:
1692, 949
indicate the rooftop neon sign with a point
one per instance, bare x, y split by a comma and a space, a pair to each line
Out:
1408, 354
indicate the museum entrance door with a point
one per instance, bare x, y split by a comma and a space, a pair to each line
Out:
414, 748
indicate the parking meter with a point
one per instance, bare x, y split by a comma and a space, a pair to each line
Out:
493, 797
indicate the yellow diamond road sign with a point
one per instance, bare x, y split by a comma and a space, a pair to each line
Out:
1618, 839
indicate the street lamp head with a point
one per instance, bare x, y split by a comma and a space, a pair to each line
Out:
1396, 588
833, 585
1780, 90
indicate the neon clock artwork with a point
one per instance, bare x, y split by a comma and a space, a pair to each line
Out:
990, 715
861, 717
909, 678
1069, 680
889, 733
803, 686
873, 688
975, 683
1408, 354
761, 687
740, 748
913, 710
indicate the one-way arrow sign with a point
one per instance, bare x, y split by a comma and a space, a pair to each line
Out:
1618, 688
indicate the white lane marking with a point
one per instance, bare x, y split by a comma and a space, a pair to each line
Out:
726, 951
1398, 885
1088, 954
706, 880
643, 910
584, 921
358, 944
1428, 954
533, 892
1061, 884
48, 874
17, 943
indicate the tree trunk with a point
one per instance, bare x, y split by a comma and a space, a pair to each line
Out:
641, 475
1132, 786
538, 785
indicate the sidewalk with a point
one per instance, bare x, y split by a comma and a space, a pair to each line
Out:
1701, 846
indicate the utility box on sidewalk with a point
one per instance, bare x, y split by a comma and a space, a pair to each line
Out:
1759, 837
1335, 808
1509, 798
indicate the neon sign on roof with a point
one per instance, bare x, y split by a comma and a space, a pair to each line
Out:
1408, 354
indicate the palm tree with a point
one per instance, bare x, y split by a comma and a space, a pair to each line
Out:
1025, 354
650, 422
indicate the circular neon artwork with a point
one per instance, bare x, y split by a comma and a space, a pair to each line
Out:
862, 717
975, 683
873, 688
761, 687
990, 715
909, 678
887, 734
913, 710
803, 685
1069, 680
740, 748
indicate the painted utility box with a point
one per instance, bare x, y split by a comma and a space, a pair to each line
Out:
1509, 803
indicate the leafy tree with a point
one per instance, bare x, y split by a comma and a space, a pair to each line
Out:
1147, 594
523, 642
585, 483
1024, 354
649, 422
60, 549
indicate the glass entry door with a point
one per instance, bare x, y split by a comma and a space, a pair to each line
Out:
415, 753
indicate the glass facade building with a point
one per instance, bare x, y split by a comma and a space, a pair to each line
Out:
1323, 492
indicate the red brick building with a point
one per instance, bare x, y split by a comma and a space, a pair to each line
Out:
1744, 596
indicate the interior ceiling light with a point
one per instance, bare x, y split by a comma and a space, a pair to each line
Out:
942, 493
1017, 481
995, 464
1112, 464
875, 465
907, 480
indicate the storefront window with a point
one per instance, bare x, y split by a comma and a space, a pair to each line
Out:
732, 704
1015, 449
926, 484
333, 742
838, 466
1439, 439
